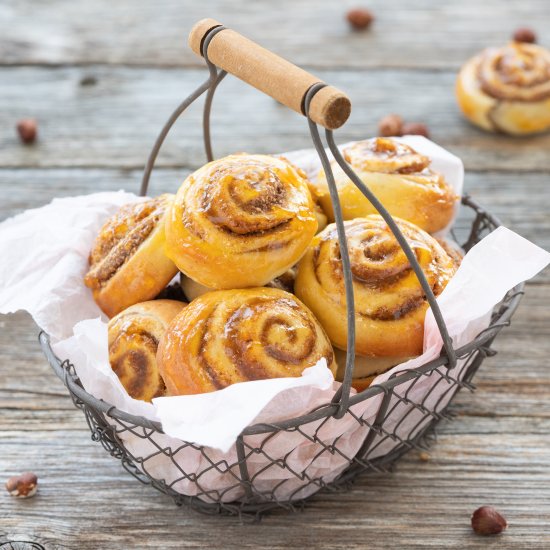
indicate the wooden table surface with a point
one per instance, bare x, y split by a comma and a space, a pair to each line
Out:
101, 77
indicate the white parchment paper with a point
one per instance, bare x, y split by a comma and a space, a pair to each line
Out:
45, 253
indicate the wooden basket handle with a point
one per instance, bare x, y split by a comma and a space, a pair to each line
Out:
270, 74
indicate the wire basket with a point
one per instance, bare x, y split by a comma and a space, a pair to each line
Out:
409, 404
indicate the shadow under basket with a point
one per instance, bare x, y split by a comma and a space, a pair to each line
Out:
265, 469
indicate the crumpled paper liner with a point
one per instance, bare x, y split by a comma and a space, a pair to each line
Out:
45, 255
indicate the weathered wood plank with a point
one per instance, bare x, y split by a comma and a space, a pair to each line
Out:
114, 123
405, 34
421, 505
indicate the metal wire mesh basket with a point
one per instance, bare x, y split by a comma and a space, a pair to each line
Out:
408, 405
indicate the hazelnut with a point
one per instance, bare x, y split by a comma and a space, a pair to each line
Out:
487, 521
22, 486
424, 456
390, 125
27, 130
88, 80
359, 19
415, 129
525, 34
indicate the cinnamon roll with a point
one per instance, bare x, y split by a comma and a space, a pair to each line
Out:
230, 336
240, 221
127, 262
507, 89
389, 301
400, 178
134, 335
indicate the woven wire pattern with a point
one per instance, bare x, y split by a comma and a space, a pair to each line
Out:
251, 478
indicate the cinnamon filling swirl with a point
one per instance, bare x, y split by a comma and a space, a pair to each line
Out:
380, 268
387, 156
217, 379
120, 238
120, 254
133, 360
286, 335
246, 200
243, 199
227, 337
517, 72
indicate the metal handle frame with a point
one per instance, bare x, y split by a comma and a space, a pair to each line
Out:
343, 394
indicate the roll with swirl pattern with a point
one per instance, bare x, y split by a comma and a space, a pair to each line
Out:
240, 221
134, 335
390, 303
128, 263
230, 336
400, 178
507, 89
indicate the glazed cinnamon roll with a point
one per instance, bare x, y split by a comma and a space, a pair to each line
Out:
127, 262
389, 301
230, 336
401, 179
507, 89
134, 335
240, 221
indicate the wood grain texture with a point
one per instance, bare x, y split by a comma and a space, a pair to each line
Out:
115, 122
314, 33
378, 512
101, 78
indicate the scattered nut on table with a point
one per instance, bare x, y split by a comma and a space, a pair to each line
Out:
360, 19
27, 129
88, 80
390, 125
22, 486
524, 34
487, 521
415, 129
